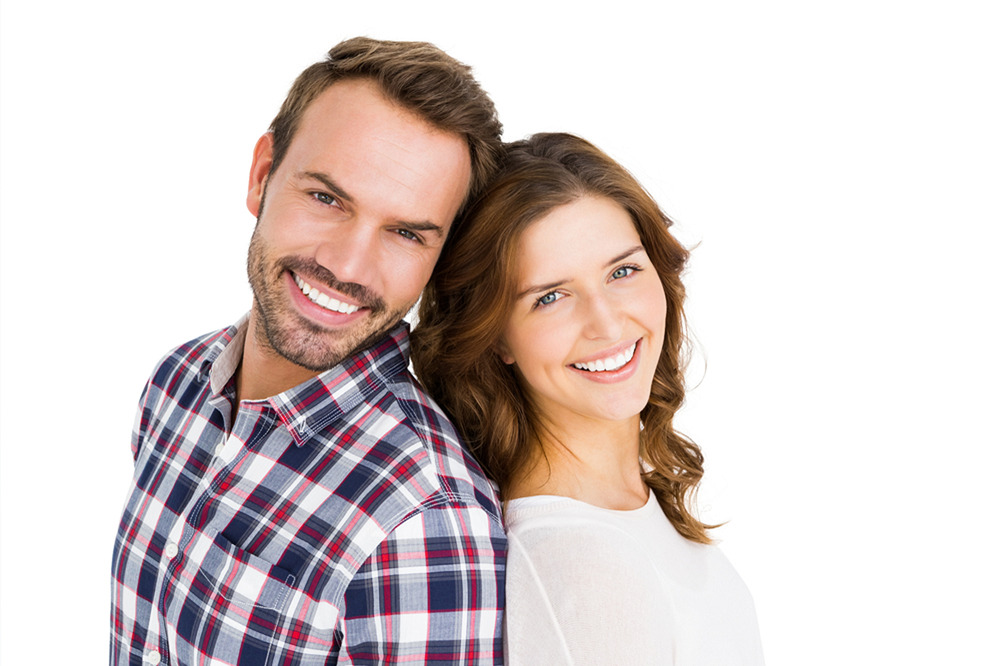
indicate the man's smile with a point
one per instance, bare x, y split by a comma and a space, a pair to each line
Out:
322, 299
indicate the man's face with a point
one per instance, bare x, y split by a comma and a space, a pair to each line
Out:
354, 219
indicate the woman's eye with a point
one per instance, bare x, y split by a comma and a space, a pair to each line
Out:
549, 298
624, 271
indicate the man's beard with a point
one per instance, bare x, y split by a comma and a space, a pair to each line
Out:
292, 336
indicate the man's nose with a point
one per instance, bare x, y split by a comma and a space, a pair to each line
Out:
351, 252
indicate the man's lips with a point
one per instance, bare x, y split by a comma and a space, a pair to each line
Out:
322, 299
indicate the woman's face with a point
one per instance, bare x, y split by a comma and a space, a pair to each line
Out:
587, 327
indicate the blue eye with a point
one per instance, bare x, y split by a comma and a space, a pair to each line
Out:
549, 298
622, 272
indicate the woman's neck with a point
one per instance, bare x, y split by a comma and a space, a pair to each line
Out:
597, 463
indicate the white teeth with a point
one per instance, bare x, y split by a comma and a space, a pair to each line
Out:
321, 299
608, 364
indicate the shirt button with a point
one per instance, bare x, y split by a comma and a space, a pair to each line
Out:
218, 448
152, 657
171, 552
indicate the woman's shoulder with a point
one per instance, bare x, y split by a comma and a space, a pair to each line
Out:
589, 565
575, 571
566, 546
554, 532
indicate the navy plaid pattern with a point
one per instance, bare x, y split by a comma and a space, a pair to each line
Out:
338, 522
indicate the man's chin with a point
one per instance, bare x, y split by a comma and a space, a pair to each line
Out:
314, 351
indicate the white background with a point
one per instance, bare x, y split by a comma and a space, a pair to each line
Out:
838, 165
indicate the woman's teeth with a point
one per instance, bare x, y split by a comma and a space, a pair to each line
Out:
321, 299
608, 364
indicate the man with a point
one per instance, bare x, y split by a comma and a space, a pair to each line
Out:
297, 499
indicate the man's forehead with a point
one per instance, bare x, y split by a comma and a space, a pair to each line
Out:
359, 103
378, 152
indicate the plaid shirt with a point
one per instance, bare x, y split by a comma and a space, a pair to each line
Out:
337, 522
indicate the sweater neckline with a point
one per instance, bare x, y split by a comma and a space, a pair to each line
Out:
539, 504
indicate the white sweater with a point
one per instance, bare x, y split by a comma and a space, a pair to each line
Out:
587, 585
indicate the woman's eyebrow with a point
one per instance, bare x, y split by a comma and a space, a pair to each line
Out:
540, 287
627, 253
552, 285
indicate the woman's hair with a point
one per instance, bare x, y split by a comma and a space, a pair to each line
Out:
468, 300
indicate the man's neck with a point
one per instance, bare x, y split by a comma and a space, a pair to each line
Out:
263, 372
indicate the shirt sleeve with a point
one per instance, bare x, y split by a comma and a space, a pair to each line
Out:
432, 592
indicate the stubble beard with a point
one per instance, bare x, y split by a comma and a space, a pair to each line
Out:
291, 336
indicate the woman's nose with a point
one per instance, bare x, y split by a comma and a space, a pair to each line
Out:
603, 318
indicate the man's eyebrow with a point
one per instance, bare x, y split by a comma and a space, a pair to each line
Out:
335, 189
338, 191
552, 285
423, 225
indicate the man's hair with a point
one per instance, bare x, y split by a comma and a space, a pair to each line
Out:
416, 75
468, 301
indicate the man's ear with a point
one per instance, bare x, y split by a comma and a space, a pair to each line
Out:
259, 170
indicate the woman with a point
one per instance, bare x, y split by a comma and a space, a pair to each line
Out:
552, 332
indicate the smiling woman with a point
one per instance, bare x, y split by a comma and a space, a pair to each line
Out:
597, 301
558, 353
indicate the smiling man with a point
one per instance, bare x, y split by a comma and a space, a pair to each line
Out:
297, 499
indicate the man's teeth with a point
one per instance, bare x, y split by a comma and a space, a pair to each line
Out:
321, 299
608, 364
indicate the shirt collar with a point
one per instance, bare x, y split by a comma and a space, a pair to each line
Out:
225, 362
308, 408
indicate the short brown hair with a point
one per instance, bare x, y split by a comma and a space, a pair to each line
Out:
420, 77
471, 293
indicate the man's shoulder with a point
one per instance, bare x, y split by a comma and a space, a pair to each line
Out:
197, 350
425, 414
461, 480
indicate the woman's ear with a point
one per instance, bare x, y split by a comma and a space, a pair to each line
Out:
501, 350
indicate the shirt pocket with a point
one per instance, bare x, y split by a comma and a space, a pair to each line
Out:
234, 610
244, 579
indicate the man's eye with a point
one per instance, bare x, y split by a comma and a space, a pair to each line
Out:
407, 234
324, 198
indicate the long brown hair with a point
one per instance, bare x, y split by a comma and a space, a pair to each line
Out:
466, 304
